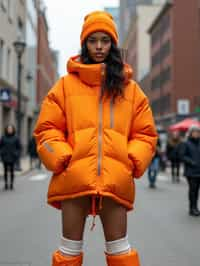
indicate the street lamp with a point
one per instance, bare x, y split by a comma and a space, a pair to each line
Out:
19, 47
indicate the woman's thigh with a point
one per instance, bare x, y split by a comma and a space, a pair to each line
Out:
114, 219
74, 213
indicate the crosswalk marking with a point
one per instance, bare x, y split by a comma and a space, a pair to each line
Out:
38, 177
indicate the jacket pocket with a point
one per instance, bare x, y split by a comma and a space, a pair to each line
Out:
116, 147
84, 145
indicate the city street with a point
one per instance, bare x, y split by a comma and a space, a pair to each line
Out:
159, 228
103, 87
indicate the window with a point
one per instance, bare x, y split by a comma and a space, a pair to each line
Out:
20, 24
165, 50
161, 105
161, 54
155, 106
165, 76
155, 84
10, 10
1, 57
165, 103
161, 78
20, 29
3, 5
165, 23
156, 58
8, 64
155, 35
161, 28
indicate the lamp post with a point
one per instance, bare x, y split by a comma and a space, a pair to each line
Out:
29, 78
19, 49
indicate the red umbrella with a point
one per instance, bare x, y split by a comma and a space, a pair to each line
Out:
184, 125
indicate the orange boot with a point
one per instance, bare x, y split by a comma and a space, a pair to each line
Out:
128, 259
60, 260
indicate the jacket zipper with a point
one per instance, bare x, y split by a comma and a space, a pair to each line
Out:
100, 123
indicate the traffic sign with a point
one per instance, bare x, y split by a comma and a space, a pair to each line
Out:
5, 95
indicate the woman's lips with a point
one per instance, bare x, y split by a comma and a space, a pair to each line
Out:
99, 55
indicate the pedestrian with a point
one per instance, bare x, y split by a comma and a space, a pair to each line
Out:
95, 132
33, 155
173, 155
9, 150
190, 154
154, 166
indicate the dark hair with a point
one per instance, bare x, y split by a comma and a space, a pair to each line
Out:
114, 79
6, 129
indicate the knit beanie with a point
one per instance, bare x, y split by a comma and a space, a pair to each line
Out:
99, 21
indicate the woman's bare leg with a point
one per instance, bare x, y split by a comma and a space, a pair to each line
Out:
114, 219
74, 213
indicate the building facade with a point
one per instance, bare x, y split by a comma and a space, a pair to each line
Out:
46, 58
13, 17
137, 42
127, 8
114, 11
127, 11
31, 62
175, 61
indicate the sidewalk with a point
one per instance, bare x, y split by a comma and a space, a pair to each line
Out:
25, 166
166, 175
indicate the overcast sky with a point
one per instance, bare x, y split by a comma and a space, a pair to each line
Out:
65, 19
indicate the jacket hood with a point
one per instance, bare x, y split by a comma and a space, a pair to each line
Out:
91, 74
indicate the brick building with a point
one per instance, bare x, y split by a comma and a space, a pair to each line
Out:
175, 61
127, 10
46, 65
137, 42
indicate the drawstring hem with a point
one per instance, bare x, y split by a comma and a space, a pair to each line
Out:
93, 223
94, 209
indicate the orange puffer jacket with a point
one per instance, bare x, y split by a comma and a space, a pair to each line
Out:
94, 146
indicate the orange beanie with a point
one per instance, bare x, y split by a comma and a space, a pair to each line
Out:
99, 21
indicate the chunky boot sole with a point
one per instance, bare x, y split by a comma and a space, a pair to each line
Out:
128, 259
60, 260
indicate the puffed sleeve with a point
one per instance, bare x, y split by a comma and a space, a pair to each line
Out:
143, 135
51, 131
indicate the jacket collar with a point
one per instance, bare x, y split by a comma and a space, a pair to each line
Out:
91, 74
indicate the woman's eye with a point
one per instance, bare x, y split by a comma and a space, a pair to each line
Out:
106, 40
91, 40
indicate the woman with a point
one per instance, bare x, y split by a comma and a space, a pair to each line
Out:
190, 155
10, 151
95, 132
173, 155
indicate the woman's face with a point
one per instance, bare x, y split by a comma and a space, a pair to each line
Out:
10, 129
175, 135
98, 45
195, 134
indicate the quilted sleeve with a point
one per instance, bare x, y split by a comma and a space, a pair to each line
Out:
143, 135
51, 130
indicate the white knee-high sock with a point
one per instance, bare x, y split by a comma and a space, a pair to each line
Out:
70, 247
119, 246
